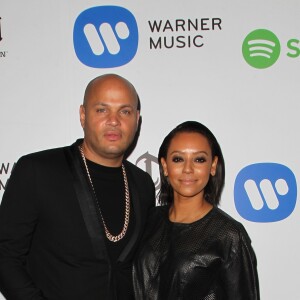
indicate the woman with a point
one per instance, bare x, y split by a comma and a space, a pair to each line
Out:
192, 249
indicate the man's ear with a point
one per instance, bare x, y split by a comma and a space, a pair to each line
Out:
138, 115
82, 115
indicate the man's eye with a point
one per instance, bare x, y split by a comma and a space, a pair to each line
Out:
125, 112
101, 110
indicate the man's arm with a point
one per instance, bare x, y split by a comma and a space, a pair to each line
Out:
18, 219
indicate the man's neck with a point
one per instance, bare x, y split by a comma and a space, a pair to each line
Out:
104, 161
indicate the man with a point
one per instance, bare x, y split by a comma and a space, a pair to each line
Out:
70, 218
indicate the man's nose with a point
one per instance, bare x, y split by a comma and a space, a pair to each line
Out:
113, 119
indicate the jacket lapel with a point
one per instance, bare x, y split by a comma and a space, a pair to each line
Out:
86, 201
134, 197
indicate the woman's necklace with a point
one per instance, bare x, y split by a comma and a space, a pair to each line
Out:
112, 238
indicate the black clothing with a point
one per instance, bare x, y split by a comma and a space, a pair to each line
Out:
52, 243
110, 190
209, 259
109, 187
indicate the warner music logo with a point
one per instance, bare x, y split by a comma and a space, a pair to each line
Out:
265, 192
181, 33
105, 36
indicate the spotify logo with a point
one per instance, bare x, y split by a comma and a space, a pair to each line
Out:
261, 48
265, 192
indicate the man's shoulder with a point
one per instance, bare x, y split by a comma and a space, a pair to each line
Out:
138, 175
43, 154
47, 155
134, 169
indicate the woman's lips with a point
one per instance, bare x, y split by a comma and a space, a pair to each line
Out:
187, 181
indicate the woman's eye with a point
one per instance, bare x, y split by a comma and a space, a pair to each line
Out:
200, 159
177, 159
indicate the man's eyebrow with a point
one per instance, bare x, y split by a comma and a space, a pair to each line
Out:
107, 104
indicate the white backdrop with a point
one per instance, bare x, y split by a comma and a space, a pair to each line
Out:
253, 111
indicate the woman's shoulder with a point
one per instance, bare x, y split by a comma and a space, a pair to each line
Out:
229, 226
233, 236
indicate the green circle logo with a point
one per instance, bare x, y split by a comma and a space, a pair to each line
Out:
261, 48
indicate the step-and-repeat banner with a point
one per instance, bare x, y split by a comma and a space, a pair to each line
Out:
233, 66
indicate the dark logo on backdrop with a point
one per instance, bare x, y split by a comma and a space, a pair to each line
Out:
5, 171
181, 33
0, 31
105, 36
149, 163
2, 53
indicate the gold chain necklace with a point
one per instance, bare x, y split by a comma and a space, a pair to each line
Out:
112, 238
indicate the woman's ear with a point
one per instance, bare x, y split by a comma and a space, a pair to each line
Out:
164, 165
214, 165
